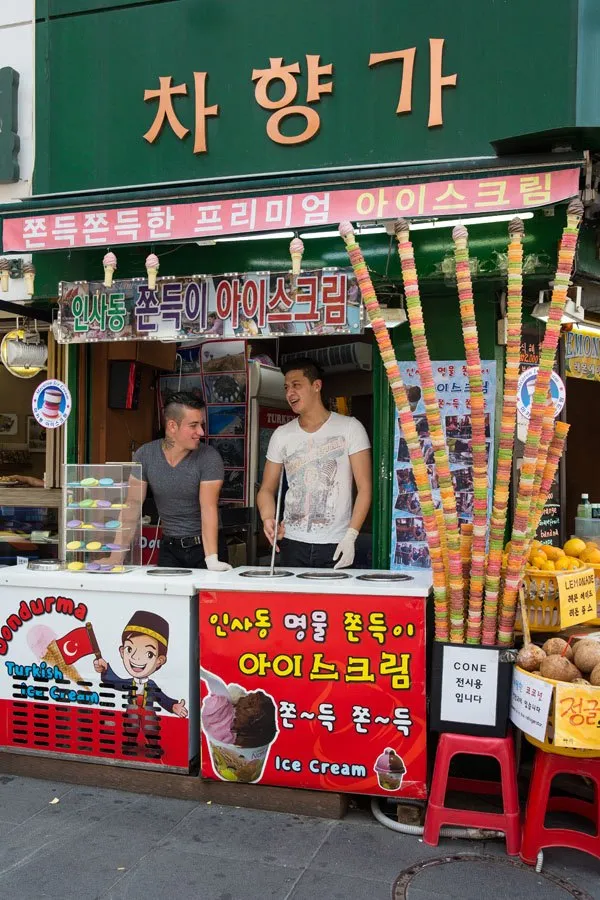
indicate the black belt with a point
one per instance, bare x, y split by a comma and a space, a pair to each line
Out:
185, 542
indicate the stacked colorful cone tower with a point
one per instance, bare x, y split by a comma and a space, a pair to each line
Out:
475, 585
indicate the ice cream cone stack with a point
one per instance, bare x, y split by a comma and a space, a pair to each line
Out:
555, 452
408, 428
152, 266
480, 462
296, 252
525, 495
4, 273
54, 657
29, 276
448, 526
110, 265
507, 430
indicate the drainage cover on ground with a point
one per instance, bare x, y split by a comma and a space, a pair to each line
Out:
467, 876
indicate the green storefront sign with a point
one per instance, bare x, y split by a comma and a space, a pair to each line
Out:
141, 93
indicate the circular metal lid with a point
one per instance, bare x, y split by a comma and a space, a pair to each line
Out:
169, 573
265, 573
385, 577
324, 574
45, 565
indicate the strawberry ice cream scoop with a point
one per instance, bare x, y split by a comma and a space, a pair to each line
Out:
39, 637
110, 260
217, 718
110, 264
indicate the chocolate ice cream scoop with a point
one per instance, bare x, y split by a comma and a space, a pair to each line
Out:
254, 723
396, 763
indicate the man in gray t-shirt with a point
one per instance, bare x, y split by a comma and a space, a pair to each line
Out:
186, 478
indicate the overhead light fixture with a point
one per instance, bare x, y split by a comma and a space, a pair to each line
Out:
573, 312
421, 226
267, 236
391, 317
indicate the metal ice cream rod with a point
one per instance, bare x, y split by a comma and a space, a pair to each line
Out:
277, 514
215, 684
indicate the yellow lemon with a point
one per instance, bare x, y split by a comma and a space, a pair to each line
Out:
538, 561
548, 566
563, 564
592, 545
574, 547
591, 556
553, 553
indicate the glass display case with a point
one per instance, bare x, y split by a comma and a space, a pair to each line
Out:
102, 517
28, 533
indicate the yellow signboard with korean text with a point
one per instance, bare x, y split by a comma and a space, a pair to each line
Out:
577, 597
582, 355
577, 716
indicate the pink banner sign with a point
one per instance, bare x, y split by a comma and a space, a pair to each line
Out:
217, 218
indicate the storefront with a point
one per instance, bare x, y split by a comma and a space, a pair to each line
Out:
205, 170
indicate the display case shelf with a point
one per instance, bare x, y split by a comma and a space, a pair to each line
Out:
123, 492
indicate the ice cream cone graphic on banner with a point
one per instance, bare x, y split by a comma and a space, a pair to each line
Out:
63, 652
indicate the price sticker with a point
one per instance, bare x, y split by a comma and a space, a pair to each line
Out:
577, 716
577, 597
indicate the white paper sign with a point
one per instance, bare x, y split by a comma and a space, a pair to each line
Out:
469, 685
530, 704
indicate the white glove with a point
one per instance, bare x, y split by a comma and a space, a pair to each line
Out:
345, 550
214, 564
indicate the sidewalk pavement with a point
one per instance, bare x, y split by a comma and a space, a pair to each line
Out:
66, 842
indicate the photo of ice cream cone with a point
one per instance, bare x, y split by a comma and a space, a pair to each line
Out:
110, 265
152, 266
29, 276
390, 770
4, 273
240, 728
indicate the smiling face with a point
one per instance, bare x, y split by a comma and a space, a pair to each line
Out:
302, 394
189, 431
142, 655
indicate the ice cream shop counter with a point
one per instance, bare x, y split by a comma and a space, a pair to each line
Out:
307, 679
315, 680
100, 667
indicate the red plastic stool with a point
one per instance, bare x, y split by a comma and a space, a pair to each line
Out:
437, 814
535, 835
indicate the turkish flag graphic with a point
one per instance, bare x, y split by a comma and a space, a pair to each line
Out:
75, 644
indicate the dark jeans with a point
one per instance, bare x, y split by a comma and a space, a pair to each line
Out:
306, 556
173, 557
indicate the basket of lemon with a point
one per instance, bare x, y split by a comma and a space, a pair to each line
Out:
540, 586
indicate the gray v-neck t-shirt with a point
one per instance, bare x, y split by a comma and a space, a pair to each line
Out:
176, 488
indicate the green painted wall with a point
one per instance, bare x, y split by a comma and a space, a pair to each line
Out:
516, 63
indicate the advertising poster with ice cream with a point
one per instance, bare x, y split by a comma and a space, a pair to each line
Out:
51, 403
409, 548
102, 675
314, 691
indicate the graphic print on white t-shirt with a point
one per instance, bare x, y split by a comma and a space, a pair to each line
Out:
318, 503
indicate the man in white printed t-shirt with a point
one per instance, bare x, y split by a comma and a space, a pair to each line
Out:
323, 453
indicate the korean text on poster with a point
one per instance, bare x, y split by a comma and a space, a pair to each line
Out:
409, 547
325, 301
322, 692
530, 703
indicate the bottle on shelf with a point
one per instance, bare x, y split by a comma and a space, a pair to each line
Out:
584, 508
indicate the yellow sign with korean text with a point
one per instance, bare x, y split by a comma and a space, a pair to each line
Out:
582, 355
577, 716
577, 597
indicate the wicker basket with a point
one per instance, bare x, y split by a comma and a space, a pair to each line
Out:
547, 744
541, 596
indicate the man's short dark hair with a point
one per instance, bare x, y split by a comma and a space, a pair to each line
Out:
306, 365
177, 402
